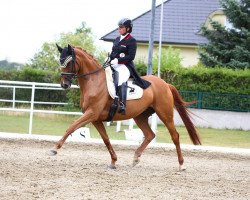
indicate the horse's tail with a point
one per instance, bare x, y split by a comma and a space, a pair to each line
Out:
180, 106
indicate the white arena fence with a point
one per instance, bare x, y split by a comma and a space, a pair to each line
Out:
33, 86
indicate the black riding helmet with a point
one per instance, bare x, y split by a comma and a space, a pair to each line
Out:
127, 23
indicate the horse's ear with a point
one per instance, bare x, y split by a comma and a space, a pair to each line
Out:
70, 49
60, 49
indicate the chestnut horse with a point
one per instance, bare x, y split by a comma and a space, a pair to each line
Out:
160, 98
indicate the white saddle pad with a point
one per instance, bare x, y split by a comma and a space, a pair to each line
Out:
135, 93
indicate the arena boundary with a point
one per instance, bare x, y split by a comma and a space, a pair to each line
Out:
209, 149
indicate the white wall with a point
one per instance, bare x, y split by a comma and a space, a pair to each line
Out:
218, 119
189, 54
214, 119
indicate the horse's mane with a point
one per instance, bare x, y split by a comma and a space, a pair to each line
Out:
90, 56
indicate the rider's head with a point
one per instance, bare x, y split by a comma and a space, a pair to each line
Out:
127, 23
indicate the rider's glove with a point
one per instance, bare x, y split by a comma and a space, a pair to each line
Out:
114, 62
107, 62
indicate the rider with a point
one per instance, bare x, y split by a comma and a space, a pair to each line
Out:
122, 56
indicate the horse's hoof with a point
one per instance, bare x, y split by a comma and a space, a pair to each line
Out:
52, 152
111, 166
182, 168
135, 162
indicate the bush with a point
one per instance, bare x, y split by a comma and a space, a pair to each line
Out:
216, 80
74, 98
170, 59
141, 67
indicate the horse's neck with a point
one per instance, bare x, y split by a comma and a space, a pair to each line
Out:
93, 84
89, 66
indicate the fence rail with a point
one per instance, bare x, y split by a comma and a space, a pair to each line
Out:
217, 101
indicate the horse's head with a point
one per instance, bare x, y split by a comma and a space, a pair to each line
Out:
68, 65
76, 63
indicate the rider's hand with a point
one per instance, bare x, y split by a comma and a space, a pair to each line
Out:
107, 62
114, 62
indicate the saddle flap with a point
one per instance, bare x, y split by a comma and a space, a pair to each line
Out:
133, 91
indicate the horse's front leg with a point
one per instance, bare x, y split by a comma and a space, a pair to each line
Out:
102, 131
142, 123
86, 118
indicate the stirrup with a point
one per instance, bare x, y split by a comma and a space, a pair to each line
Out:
122, 108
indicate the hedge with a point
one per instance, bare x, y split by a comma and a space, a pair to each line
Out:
212, 80
200, 79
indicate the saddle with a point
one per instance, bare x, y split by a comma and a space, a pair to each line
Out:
133, 91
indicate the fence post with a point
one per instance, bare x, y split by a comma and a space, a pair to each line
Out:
118, 126
131, 124
31, 108
199, 100
14, 97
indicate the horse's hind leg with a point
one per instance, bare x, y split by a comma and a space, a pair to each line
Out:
142, 122
175, 138
102, 131
167, 119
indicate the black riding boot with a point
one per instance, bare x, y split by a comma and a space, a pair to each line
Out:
122, 97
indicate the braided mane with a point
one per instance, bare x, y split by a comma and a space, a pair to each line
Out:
88, 54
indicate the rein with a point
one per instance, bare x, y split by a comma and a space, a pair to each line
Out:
90, 73
74, 75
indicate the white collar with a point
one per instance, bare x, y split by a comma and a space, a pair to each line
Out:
123, 36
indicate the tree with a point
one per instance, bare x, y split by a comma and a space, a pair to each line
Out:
48, 57
228, 47
6, 65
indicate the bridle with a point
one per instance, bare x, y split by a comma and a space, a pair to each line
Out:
73, 74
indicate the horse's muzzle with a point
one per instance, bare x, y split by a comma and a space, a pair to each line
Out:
66, 80
65, 85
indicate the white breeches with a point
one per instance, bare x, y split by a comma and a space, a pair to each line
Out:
123, 71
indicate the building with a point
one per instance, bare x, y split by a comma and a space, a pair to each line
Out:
182, 20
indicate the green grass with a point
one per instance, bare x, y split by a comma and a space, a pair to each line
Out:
48, 124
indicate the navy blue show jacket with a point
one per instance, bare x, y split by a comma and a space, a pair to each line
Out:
125, 51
